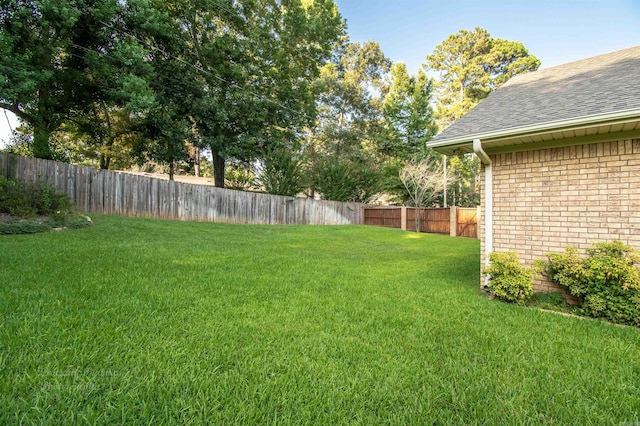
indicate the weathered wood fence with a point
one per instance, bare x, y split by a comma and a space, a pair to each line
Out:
454, 221
120, 193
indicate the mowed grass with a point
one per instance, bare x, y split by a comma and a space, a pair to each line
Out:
136, 321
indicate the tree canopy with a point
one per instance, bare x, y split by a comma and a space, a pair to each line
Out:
58, 57
273, 87
471, 65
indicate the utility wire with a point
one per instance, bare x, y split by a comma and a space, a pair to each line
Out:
196, 67
8, 121
187, 86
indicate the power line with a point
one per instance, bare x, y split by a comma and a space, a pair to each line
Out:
198, 68
8, 121
181, 82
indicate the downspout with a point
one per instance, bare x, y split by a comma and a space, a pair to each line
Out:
488, 203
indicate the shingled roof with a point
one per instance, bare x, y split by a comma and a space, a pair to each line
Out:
586, 98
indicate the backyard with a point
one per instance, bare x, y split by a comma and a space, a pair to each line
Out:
161, 322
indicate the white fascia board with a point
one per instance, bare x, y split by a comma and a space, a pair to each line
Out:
574, 123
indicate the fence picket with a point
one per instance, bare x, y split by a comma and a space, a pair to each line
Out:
432, 220
112, 192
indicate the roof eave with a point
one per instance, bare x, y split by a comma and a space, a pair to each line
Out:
463, 144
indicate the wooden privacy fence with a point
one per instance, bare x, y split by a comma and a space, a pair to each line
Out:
119, 193
454, 221
467, 222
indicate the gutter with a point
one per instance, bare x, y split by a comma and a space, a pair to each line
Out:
618, 117
488, 203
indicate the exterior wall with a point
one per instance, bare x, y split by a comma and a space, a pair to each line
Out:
549, 199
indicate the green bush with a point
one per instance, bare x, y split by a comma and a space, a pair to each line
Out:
606, 282
24, 227
282, 173
356, 180
509, 281
238, 175
22, 200
36, 207
14, 199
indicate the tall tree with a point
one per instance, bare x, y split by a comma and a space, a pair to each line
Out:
349, 100
58, 57
250, 66
408, 114
166, 132
471, 65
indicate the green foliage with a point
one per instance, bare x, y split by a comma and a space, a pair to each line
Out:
408, 115
32, 226
553, 298
349, 102
391, 182
58, 57
606, 282
282, 172
246, 69
472, 64
20, 144
22, 200
36, 207
238, 175
464, 190
509, 279
165, 133
104, 137
222, 74
23, 227
356, 180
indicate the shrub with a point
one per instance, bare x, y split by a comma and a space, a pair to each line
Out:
509, 281
24, 202
33, 199
356, 180
606, 282
238, 175
282, 172
25, 227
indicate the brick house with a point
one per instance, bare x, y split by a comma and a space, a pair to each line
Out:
560, 153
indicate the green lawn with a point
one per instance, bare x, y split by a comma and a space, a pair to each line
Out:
139, 321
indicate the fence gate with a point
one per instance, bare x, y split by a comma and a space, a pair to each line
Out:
467, 223
455, 221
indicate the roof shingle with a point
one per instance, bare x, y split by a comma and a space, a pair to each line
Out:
603, 84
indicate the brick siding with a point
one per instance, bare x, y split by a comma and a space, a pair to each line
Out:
549, 199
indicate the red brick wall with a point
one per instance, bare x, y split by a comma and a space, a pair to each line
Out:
549, 199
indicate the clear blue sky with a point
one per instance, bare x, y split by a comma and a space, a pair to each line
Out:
556, 31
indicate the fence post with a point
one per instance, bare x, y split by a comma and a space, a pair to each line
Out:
453, 221
403, 218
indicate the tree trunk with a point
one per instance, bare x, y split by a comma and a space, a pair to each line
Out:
41, 135
340, 134
218, 168
172, 166
196, 165
105, 161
